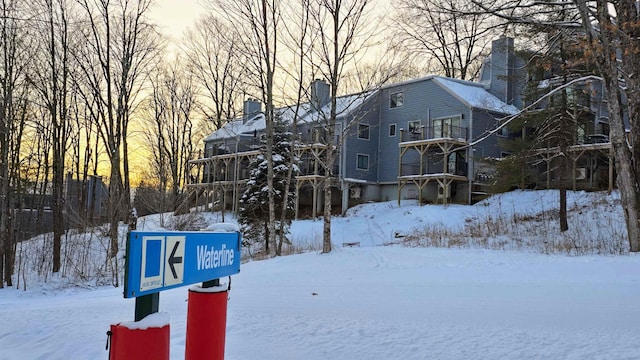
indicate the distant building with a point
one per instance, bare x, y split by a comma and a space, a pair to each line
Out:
83, 205
409, 140
85, 201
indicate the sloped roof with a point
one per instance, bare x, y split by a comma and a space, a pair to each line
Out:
344, 106
306, 114
474, 95
236, 127
471, 94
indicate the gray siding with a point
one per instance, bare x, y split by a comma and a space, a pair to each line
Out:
423, 101
489, 147
354, 146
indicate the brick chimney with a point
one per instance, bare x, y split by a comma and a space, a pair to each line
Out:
503, 72
319, 93
251, 108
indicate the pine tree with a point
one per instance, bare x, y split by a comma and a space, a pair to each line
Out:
555, 124
253, 214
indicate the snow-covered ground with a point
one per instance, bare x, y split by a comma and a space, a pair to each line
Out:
389, 302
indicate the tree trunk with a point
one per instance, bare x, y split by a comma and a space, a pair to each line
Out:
326, 228
5, 212
628, 19
607, 39
270, 63
58, 204
266, 238
115, 208
564, 225
626, 179
115, 214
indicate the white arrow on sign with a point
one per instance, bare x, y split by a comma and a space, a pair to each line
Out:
174, 260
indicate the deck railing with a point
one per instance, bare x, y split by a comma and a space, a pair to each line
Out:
435, 132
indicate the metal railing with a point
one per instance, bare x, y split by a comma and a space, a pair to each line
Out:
435, 132
413, 168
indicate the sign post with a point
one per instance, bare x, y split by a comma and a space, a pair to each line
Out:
146, 305
158, 261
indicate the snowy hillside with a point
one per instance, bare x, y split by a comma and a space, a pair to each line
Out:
517, 220
400, 301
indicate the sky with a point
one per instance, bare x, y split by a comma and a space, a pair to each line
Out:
380, 300
174, 16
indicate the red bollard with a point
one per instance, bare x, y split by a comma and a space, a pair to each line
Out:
206, 322
145, 339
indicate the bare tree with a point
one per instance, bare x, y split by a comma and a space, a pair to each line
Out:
300, 44
88, 147
613, 43
170, 108
120, 45
617, 32
338, 25
51, 80
257, 22
14, 56
212, 52
85, 149
32, 163
447, 36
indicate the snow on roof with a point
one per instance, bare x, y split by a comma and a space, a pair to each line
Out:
237, 127
344, 105
474, 95
288, 112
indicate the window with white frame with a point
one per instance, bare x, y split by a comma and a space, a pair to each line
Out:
362, 162
392, 130
446, 127
363, 131
396, 99
414, 127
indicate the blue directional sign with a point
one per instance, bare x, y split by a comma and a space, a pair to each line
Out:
158, 261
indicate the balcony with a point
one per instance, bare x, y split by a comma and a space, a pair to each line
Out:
436, 132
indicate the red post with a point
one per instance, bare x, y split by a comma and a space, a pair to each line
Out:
145, 339
206, 322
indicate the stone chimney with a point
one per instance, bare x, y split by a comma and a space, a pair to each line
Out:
251, 108
504, 72
319, 93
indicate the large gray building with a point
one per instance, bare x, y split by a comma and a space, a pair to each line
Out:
423, 139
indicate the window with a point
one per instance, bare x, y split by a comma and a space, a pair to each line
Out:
363, 131
447, 128
452, 162
392, 130
571, 95
396, 100
581, 133
414, 127
362, 162
457, 164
